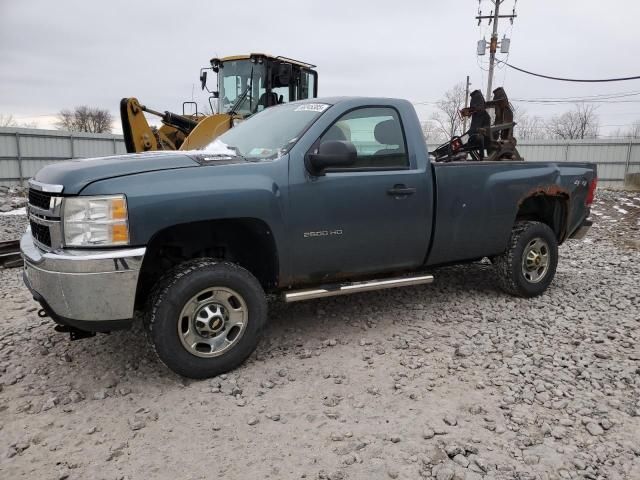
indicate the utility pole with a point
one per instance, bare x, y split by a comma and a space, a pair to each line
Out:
466, 104
492, 48
493, 43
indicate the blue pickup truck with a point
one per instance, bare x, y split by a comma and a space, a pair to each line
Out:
306, 200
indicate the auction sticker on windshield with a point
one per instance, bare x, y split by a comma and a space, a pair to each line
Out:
312, 107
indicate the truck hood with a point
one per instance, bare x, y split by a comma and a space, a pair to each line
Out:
74, 175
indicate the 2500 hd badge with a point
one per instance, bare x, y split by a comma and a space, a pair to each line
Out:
322, 233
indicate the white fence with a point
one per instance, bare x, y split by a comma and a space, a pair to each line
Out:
615, 158
24, 151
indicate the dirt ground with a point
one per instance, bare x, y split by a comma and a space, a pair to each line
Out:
454, 380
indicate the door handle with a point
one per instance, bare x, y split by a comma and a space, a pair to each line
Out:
401, 190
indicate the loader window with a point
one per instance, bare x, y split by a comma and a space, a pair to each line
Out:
234, 78
307, 85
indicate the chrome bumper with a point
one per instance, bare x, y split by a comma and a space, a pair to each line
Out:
83, 285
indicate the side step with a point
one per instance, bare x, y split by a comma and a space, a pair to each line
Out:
347, 288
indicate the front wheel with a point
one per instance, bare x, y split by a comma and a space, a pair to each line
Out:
205, 317
528, 266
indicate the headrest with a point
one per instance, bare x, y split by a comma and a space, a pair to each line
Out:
388, 133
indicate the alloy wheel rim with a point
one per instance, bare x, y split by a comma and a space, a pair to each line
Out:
212, 322
535, 260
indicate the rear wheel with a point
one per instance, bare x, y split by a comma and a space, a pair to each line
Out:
528, 266
205, 317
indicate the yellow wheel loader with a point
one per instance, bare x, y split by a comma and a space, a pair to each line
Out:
246, 84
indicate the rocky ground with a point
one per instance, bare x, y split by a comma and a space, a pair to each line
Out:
12, 198
455, 380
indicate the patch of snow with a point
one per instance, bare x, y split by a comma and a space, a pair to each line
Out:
17, 211
621, 210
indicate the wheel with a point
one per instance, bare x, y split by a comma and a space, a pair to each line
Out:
205, 317
528, 266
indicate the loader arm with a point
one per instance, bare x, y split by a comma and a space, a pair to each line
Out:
138, 135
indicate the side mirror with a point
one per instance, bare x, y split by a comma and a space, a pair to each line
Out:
203, 79
332, 154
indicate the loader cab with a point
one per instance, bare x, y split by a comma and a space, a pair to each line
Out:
248, 84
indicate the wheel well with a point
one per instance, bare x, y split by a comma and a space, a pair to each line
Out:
549, 209
246, 241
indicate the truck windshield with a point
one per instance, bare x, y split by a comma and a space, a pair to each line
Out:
268, 134
234, 79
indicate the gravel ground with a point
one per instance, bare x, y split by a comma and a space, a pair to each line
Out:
449, 381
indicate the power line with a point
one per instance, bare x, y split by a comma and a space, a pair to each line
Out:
579, 80
597, 98
603, 96
562, 102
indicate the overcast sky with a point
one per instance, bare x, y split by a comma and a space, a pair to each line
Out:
62, 53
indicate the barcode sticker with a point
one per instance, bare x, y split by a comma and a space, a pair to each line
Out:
312, 107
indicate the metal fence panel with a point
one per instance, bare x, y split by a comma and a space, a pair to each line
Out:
9, 168
24, 151
614, 158
44, 147
634, 159
91, 147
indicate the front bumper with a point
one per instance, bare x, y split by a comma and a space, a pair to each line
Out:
93, 290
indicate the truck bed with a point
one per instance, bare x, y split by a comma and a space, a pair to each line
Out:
476, 203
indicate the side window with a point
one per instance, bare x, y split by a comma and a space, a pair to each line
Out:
307, 85
377, 135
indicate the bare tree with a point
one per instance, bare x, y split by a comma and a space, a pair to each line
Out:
10, 121
528, 127
432, 133
632, 132
7, 121
447, 119
85, 119
582, 122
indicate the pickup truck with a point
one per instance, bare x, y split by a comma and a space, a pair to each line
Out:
306, 200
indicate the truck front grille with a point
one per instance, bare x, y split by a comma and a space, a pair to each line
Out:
41, 233
39, 199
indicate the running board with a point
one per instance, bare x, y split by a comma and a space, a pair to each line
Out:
347, 288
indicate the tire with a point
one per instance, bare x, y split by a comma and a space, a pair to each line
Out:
205, 317
518, 270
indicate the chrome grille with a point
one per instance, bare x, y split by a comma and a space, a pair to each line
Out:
41, 233
44, 207
40, 199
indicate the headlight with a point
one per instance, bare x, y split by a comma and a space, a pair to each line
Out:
95, 221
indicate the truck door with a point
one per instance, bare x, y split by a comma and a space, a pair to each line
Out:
370, 217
